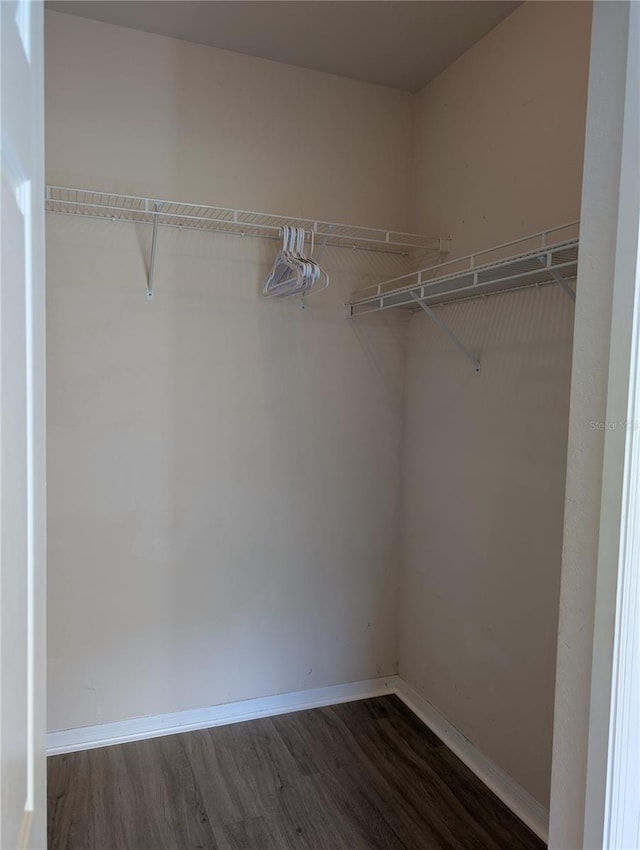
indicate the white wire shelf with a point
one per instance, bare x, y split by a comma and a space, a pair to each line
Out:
87, 202
550, 256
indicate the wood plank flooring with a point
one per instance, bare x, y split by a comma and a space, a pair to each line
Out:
356, 776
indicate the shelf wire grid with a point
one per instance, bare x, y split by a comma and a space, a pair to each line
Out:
86, 202
503, 268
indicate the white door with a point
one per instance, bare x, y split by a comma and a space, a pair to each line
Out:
22, 436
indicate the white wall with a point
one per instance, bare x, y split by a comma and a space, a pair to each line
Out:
500, 133
223, 470
148, 115
498, 155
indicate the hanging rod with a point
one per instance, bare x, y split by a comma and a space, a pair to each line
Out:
547, 257
87, 202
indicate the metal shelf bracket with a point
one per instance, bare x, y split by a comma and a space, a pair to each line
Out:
449, 333
152, 255
555, 274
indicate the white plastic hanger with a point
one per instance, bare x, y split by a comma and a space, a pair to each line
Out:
293, 273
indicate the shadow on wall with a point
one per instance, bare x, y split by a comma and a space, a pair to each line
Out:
483, 521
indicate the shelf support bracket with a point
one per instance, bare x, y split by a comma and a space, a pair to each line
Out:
152, 256
446, 330
562, 283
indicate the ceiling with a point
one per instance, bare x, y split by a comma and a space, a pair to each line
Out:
398, 44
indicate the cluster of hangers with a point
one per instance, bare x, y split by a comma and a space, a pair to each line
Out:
293, 273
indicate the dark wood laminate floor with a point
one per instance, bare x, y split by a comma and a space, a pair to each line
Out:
360, 775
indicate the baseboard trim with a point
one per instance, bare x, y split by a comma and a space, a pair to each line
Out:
519, 801
158, 725
513, 795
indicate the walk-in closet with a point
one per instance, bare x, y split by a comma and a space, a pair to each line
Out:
311, 288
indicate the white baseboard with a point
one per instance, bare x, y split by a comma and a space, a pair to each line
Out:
155, 726
514, 796
519, 801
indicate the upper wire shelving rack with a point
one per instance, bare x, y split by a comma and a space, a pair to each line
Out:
157, 212
550, 256
86, 202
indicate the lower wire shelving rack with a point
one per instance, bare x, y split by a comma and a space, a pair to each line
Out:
550, 256
546, 258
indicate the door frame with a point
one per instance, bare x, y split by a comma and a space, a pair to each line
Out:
612, 807
23, 168
595, 785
